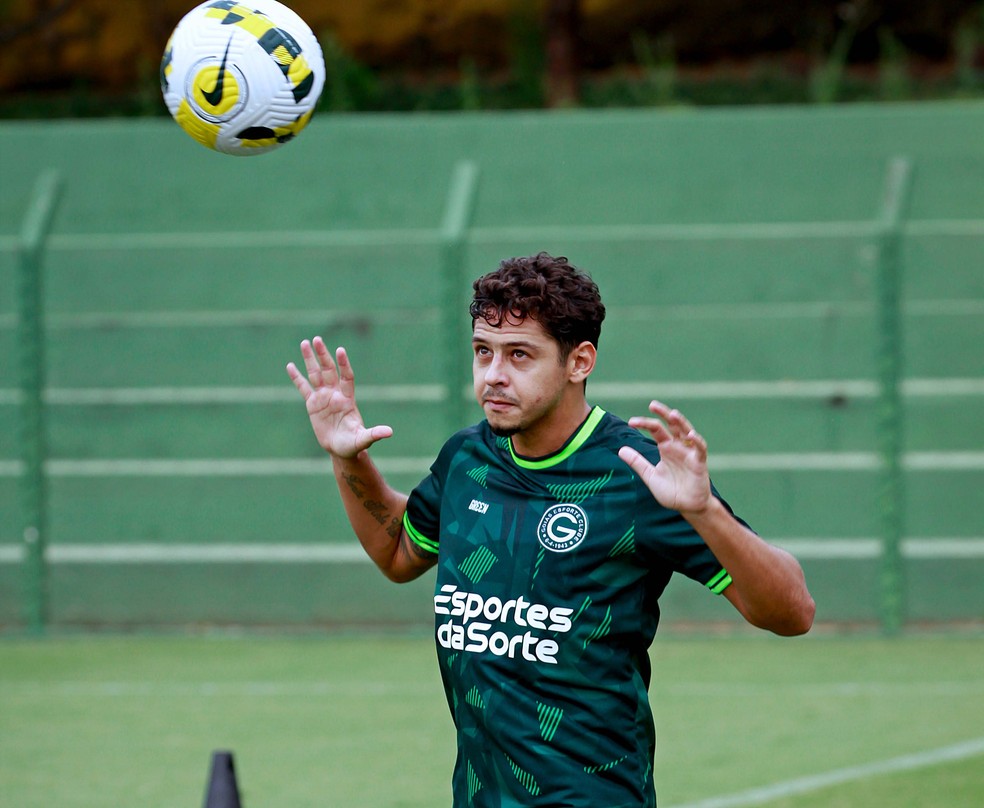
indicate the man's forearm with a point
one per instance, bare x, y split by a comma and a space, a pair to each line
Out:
770, 589
372, 506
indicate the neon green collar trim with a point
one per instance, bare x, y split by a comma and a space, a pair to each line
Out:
573, 445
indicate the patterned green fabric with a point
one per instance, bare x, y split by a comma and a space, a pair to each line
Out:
548, 577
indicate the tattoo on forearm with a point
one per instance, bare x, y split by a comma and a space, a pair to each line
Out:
377, 510
355, 485
412, 548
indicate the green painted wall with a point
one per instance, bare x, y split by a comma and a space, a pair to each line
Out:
732, 247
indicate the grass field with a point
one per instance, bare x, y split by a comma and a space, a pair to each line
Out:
360, 721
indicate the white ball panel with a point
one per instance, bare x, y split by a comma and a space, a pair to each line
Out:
233, 54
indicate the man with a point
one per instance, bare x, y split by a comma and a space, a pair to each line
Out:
555, 527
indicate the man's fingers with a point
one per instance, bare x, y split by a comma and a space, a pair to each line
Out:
322, 352
321, 370
660, 409
311, 364
679, 426
695, 439
654, 426
346, 375
671, 425
367, 437
300, 382
329, 375
636, 461
380, 432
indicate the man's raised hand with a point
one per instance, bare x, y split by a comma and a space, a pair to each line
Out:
679, 480
329, 394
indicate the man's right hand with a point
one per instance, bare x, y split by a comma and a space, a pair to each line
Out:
329, 394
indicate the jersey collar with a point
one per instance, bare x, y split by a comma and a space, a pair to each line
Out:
575, 443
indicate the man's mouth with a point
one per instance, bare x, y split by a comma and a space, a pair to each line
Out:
497, 403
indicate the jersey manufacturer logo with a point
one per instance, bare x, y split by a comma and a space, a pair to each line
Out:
562, 527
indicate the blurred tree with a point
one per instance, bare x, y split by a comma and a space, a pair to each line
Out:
513, 52
41, 15
563, 22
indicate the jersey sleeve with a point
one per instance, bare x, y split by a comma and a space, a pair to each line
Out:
665, 535
668, 536
422, 518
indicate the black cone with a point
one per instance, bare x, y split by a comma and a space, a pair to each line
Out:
222, 792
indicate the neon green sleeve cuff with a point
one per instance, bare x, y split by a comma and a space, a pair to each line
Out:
719, 582
418, 538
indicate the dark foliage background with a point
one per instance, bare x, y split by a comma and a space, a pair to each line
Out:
98, 57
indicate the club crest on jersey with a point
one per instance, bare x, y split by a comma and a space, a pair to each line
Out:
562, 527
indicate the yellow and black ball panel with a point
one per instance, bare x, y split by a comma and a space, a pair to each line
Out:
242, 77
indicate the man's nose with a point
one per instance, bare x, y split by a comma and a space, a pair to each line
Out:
495, 372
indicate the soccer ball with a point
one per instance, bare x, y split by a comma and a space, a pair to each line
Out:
244, 77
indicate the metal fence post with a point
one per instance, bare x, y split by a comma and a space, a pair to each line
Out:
31, 371
454, 233
892, 484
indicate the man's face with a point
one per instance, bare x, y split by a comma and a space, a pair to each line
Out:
518, 376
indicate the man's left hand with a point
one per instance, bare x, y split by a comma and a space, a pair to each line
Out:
679, 480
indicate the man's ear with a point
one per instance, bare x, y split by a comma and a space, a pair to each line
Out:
581, 361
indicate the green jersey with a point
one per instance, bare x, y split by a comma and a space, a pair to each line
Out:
548, 577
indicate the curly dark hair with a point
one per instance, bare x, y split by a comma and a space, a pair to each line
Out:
548, 289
